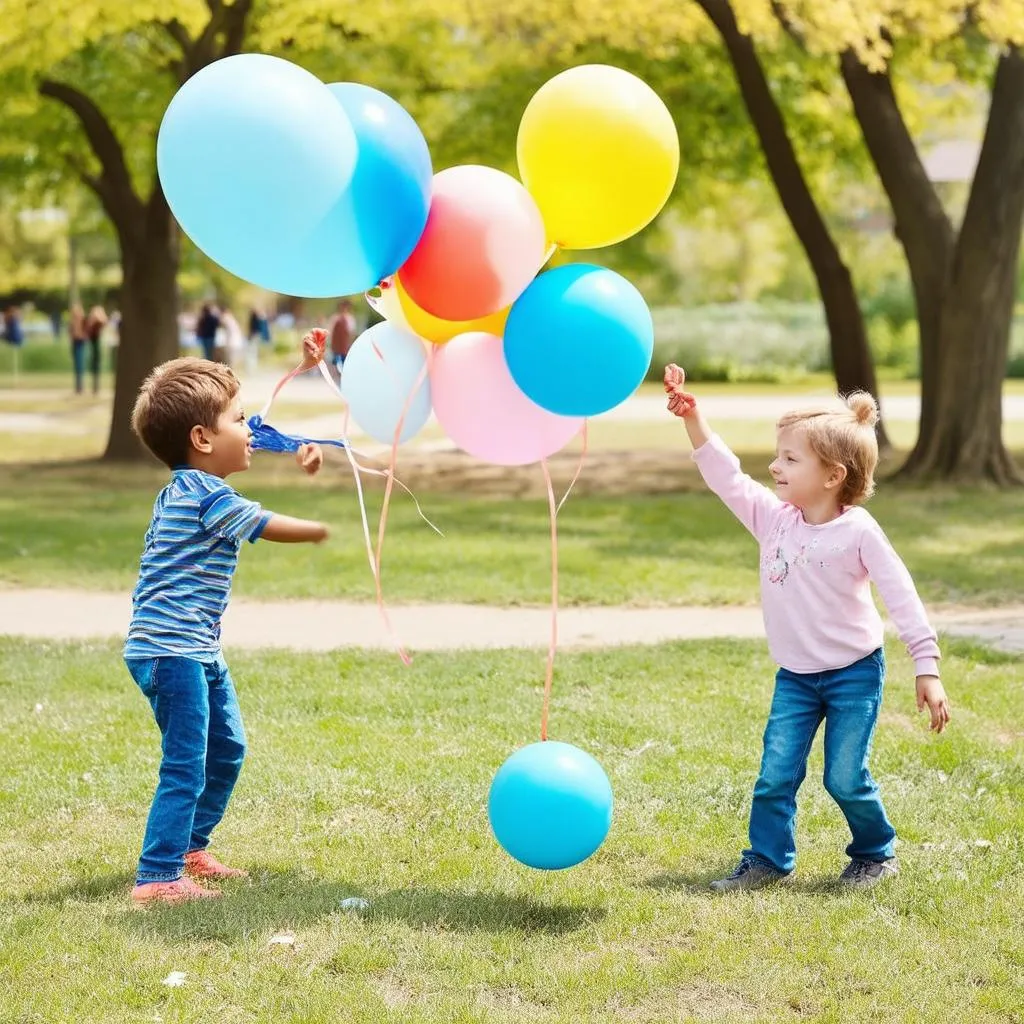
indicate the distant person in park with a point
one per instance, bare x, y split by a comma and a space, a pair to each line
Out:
820, 553
79, 341
259, 334
231, 342
207, 325
95, 321
189, 415
14, 332
341, 330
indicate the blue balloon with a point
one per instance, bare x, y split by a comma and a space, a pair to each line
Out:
375, 226
253, 153
550, 805
579, 340
380, 372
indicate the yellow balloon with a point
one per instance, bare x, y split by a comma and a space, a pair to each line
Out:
599, 152
439, 331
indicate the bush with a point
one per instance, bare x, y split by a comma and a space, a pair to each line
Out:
768, 343
37, 356
895, 347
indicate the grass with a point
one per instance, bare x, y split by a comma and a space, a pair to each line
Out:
82, 526
365, 778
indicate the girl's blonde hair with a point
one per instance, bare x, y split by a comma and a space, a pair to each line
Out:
843, 437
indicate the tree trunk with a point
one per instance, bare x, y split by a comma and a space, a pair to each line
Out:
147, 232
964, 409
149, 318
921, 224
852, 363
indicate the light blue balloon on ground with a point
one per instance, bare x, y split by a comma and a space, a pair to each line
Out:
253, 153
550, 805
373, 228
380, 372
579, 340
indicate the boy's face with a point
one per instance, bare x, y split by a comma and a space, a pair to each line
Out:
231, 442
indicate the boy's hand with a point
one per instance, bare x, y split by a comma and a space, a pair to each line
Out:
313, 344
310, 457
680, 403
931, 692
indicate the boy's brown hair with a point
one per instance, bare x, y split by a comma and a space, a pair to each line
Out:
843, 437
177, 396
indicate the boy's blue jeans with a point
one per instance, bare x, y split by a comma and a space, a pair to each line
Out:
196, 708
848, 699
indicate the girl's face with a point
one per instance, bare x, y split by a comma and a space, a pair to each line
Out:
801, 478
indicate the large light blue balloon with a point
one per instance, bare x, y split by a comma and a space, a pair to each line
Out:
253, 153
579, 340
376, 224
380, 372
550, 805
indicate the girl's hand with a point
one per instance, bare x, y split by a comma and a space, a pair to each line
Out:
310, 457
680, 403
313, 344
931, 692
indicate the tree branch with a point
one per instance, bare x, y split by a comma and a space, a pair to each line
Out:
995, 207
235, 23
179, 34
114, 185
921, 221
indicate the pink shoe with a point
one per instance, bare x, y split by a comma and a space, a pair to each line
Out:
203, 864
184, 890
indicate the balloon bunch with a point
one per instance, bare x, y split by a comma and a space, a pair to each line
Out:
325, 190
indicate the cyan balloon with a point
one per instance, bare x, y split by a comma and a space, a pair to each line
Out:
253, 153
380, 372
579, 340
550, 805
373, 228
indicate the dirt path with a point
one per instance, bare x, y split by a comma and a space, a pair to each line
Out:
77, 614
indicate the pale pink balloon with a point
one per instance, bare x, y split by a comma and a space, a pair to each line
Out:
483, 244
481, 408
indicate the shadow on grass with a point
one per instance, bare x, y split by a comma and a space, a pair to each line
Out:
274, 900
699, 883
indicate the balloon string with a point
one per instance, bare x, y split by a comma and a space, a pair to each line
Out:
553, 511
265, 411
585, 432
553, 645
389, 475
373, 559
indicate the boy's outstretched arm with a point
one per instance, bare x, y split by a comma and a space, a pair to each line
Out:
287, 530
683, 404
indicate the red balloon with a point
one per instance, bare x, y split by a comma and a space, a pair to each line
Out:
483, 244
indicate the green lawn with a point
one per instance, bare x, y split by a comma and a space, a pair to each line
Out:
82, 526
366, 778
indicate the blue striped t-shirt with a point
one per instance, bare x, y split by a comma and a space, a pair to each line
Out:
190, 555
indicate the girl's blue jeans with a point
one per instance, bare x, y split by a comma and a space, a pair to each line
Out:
848, 701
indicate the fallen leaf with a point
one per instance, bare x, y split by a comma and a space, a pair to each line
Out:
283, 939
175, 979
982, 844
355, 903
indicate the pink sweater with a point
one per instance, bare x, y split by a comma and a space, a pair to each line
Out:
816, 580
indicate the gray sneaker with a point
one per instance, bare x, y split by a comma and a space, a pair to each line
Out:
866, 874
751, 874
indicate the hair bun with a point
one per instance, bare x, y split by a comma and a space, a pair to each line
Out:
864, 408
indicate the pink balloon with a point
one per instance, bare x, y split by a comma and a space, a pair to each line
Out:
483, 411
483, 244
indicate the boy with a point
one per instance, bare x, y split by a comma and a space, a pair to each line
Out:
189, 415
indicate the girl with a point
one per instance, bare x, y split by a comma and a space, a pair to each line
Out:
820, 552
